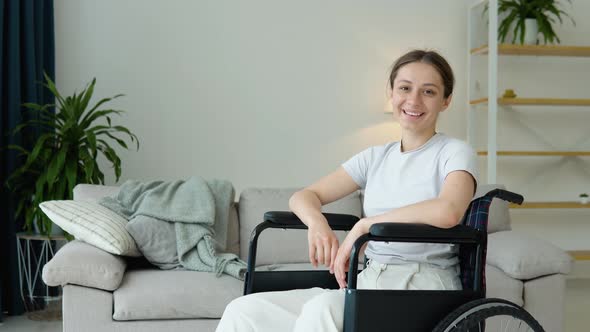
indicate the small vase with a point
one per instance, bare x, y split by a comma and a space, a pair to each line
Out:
531, 30
55, 229
584, 200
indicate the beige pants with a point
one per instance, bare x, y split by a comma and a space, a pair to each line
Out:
316, 309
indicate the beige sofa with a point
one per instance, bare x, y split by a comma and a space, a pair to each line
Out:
104, 292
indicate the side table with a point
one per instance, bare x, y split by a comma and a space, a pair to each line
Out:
34, 251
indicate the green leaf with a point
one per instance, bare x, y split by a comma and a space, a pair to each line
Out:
40, 185
87, 121
39, 145
91, 139
118, 140
51, 86
31, 123
102, 101
86, 95
17, 148
87, 164
71, 173
37, 107
131, 135
55, 167
111, 156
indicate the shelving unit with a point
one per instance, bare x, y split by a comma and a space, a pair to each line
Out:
476, 103
580, 255
485, 101
538, 153
536, 50
550, 205
535, 101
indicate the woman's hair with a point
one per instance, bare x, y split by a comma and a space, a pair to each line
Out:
432, 58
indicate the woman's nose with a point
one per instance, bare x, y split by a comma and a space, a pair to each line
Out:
414, 97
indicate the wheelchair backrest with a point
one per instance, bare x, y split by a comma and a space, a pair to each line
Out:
477, 217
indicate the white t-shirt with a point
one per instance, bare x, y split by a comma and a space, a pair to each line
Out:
392, 179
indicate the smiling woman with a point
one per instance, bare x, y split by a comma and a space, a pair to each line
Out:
421, 84
426, 177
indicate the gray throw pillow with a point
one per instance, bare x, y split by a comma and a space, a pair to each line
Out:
156, 239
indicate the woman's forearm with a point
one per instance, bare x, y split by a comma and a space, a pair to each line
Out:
307, 206
436, 212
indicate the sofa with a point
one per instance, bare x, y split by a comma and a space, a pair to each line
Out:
106, 292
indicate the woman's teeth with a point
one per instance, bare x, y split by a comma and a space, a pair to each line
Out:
413, 113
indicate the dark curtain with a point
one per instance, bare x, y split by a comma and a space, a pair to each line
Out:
27, 49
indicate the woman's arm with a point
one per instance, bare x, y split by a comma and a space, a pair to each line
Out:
445, 211
307, 204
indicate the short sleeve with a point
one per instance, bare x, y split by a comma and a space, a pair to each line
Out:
462, 158
358, 166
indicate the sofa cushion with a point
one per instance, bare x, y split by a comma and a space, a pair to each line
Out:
499, 284
275, 245
525, 257
92, 223
173, 294
82, 264
499, 216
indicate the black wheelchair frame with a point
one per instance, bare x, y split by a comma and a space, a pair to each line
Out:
408, 310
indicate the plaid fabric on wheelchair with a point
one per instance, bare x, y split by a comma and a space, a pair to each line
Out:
477, 218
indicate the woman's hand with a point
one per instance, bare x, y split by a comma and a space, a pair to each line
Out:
323, 245
342, 261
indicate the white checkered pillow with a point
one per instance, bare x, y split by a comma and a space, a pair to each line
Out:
94, 224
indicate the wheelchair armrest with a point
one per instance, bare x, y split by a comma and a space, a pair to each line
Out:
505, 195
286, 219
403, 232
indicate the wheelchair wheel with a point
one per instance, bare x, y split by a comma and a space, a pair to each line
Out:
489, 315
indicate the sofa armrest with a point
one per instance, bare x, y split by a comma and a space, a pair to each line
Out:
82, 264
524, 257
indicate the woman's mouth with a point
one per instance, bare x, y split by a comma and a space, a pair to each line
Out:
412, 114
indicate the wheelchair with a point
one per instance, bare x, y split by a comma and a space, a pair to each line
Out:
406, 310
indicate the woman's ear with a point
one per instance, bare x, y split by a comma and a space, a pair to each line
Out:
447, 102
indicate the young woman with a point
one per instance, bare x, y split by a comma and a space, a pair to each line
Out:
427, 177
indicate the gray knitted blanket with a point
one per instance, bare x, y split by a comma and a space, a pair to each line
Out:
198, 208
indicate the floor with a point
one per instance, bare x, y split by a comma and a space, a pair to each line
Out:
576, 313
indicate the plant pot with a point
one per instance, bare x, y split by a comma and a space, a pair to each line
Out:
531, 31
584, 200
55, 229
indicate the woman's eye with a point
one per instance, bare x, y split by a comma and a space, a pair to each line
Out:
429, 92
404, 88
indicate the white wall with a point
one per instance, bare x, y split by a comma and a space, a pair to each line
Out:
264, 93
278, 93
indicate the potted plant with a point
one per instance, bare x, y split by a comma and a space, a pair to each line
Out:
527, 18
66, 153
584, 198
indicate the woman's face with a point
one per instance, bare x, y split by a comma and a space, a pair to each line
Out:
418, 97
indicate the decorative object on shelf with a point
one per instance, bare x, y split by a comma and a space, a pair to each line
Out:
509, 93
584, 198
527, 18
66, 153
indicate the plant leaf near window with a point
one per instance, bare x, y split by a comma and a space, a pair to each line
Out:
545, 12
66, 153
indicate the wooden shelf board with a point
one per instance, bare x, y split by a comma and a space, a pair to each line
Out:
536, 101
537, 50
580, 255
538, 153
550, 205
